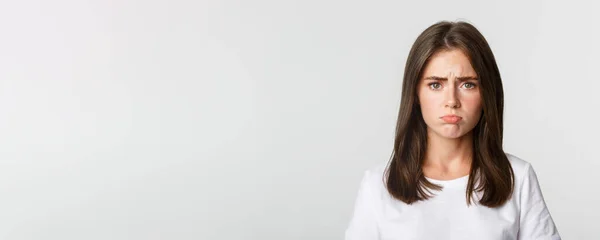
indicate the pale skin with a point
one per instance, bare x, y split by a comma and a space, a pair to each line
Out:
449, 85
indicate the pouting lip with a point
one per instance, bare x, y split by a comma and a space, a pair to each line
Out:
451, 115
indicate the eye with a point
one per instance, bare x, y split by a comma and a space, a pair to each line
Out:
434, 86
469, 85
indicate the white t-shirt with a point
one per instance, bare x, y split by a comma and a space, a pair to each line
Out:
446, 215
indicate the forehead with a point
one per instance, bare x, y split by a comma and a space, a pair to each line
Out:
448, 63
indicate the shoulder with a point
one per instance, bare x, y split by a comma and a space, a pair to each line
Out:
520, 166
376, 171
525, 176
373, 177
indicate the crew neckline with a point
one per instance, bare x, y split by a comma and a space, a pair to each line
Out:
451, 182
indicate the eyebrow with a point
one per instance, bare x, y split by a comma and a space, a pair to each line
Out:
446, 79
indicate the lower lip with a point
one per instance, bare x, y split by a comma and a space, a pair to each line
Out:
451, 119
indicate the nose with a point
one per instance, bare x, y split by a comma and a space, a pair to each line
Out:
452, 98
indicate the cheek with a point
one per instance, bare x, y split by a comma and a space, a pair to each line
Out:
429, 103
473, 104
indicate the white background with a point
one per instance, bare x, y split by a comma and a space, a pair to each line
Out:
255, 119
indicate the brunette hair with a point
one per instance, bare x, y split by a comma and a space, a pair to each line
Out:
490, 167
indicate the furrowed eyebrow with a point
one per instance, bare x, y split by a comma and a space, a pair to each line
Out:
446, 79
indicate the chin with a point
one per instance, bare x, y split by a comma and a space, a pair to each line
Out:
450, 133
453, 136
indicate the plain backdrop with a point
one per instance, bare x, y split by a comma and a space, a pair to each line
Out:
255, 119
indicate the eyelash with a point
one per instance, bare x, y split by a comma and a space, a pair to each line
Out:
431, 84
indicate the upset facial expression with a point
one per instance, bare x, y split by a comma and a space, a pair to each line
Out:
449, 86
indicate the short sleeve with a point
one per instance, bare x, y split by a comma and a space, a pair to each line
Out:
363, 224
535, 220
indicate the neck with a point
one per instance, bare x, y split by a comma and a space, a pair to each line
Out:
448, 154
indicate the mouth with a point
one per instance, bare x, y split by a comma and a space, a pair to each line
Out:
451, 118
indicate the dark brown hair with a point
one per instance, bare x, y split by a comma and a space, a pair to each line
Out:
490, 167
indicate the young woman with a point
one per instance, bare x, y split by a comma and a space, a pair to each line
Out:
448, 176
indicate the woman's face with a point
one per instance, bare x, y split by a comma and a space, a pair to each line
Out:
449, 86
